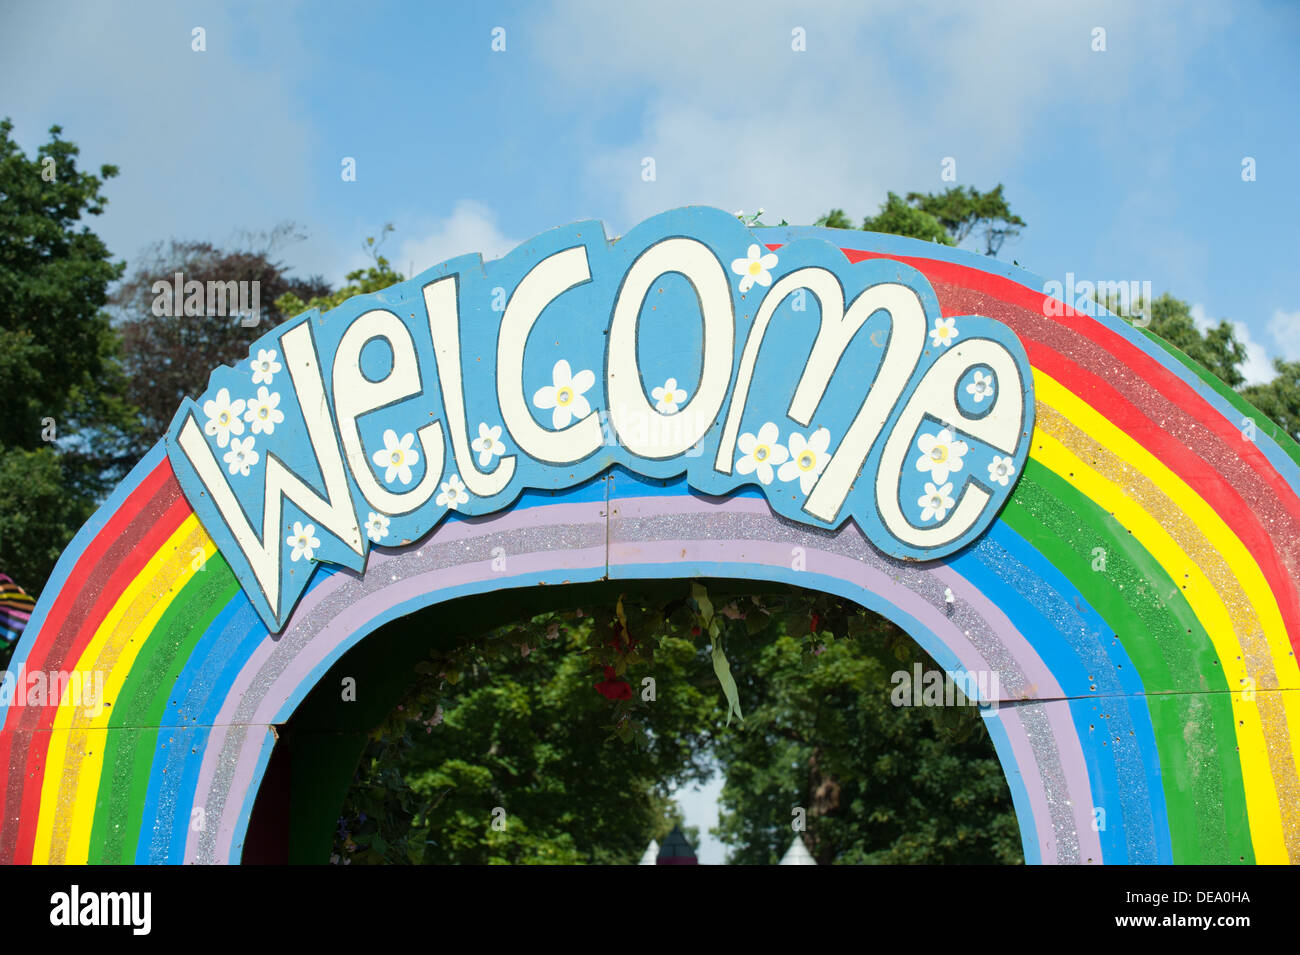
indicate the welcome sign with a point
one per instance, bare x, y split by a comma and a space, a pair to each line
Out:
684, 347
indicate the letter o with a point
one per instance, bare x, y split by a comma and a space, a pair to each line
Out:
628, 403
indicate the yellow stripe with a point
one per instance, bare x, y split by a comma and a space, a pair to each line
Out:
75, 761
1252, 584
1261, 793
1242, 562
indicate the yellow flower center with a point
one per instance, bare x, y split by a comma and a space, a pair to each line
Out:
224, 418
755, 267
262, 412
938, 454
564, 396
397, 457
806, 461
761, 452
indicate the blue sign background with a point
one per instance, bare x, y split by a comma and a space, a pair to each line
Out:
572, 334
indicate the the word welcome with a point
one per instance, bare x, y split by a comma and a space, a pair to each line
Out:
700, 350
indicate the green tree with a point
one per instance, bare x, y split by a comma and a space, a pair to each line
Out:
1216, 349
962, 211
823, 743
948, 217
514, 720
65, 427
373, 278
1279, 398
511, 729
901, 217
169, 357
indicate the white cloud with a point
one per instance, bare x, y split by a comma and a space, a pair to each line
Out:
735, 118
1258, 367
471, 227
207, 142
1285, 329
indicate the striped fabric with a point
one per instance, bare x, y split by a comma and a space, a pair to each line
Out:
15, 609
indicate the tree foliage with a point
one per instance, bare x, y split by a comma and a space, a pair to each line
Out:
824, 747
526, 719
1217, 349
65, 427
947, 218
375, 277
506, 751
1279, 399
169, 357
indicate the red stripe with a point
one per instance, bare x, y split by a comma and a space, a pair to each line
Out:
48, 637
1239, 513
1204, 478
123, 546
125, 572
1148, 368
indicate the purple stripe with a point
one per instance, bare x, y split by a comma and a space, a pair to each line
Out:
1025, 762
379, 557
348, 627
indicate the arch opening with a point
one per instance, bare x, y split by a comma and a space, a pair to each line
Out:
315, 757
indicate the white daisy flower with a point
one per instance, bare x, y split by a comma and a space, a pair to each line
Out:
564, 395
934, 503
669, 398
241, 456
1001, 470
303, 540
941, 454
944, 332
223, 417
453, 493
262, 414
397, 456
488, 444
761, 452
377, 527
755, 267
808, 458
981, 387
264, 366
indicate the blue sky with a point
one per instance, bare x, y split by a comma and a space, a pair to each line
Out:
1126, 163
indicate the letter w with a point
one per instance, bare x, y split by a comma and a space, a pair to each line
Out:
334, 513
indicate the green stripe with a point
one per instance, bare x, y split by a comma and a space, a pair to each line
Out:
140, 707
1187, 698
1215, 383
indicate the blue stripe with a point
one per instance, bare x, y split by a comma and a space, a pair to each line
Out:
1081, 651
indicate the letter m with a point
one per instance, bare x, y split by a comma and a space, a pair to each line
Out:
1110, 293
334, 513
223, 298
118, 904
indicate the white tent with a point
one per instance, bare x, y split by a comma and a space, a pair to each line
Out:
797, 854
651, 854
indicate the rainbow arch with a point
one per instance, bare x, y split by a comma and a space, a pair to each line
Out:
1137, 597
